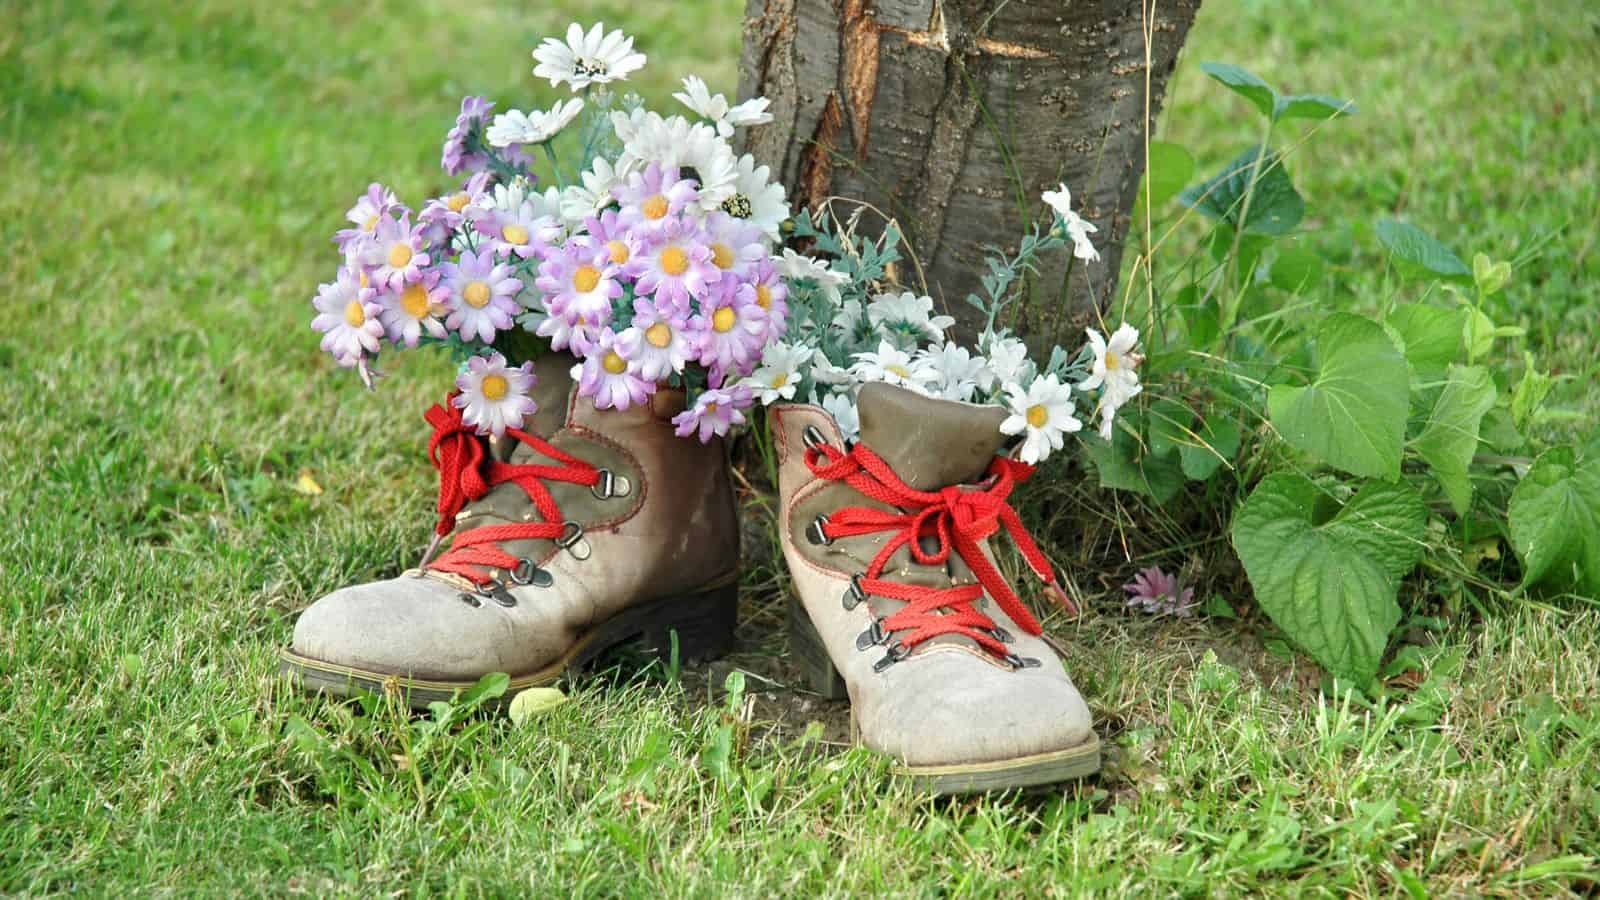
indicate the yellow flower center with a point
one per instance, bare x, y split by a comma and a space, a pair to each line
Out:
1038, 415
364, 281
780, 379
654, 207
372, 223
619, 251
614, 364
515, 234
355, 314
722, 256
659, 334
585, 279
1113, 361
763, 296
476, 293
399, 256
674, 261
711, 408
414, 300
723, 319
898, 369
458, 201
495, 386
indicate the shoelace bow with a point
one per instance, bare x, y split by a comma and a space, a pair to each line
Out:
466, 473
960, 520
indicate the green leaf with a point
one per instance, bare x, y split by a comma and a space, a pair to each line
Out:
1477, 332
1120, 467
1490, 276
1450, 437
1312, 106
1555, 520
1432, 336
1353, 414
1418, 250
1296, 270
535, 702
1529, 394
488, 687
1332, 586
1221, 438
1169, 426
1244, 83
1170, 168
1275, 207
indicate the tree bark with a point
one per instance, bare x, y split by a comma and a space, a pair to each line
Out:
953, 115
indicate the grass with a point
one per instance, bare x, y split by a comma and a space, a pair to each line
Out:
171, 175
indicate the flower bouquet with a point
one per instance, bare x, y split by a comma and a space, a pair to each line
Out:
650, 260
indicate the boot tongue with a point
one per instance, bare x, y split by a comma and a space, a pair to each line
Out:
930, 443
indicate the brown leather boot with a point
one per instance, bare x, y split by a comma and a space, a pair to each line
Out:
902, 606
587, 529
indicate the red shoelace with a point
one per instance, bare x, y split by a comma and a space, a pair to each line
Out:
466, 473
958, 519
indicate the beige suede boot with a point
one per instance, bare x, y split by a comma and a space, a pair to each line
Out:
588, 529
902, 606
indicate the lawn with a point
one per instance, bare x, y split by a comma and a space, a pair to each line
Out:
171, 173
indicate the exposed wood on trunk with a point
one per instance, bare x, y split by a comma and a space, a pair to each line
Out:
953, 116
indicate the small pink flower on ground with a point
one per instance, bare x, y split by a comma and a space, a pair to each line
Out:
414, 308
482, 296
396, 254
730, 330
608, 377
714, 413
659, 340
653, 198
1154, 591
494, 395
348, 317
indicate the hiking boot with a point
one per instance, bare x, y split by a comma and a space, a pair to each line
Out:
901, 605
582, 530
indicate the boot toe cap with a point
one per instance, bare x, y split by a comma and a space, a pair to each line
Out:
950, 707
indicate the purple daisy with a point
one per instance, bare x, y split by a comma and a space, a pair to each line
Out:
659, 340
736, 245
621, 243
678, 268
579, 278
373, 206
348, 317
416, 307
653, 198
767, 290
482, 296
521, 227
396, 254
456, 158
730, 329
714, 413
609, 377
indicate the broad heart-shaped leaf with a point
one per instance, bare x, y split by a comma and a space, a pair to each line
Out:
1432, 336
1332, 586
1312, 106
1275, 207
1244, 83
1171, 167
1120, 467
1353, 414
1169, 426
1296, 270
1450, 437
1419, 250
1221, 438
1555, 520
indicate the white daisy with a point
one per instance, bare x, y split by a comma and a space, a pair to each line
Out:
756, 197
893, 366
585, 59
1115, 371
823, 371
1044, 412
843, 410
494, 395
675, 141
907, 313
779, 375
580, 201
1077, 227
699, 98
517, 127
795, 266
958, 370
1008, 362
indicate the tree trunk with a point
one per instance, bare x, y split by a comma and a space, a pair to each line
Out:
953, 115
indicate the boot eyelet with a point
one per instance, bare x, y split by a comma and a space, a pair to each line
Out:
528, 572
611, 485
497, 591
470, 600
1021, 662
816, 532
854, 594
571, 540
813, 438
896, 653
872, 637
1000, 634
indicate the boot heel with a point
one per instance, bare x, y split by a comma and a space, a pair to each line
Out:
704, 623
807, 649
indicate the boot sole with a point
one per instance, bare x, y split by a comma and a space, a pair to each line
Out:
703, 621
1081, 761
